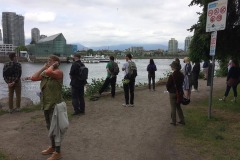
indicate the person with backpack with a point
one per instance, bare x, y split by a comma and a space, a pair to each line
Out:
151, 68
78, 75
12, 72
130, 71
112, 72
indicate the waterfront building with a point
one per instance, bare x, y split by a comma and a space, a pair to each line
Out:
55, 44
0, 35
13, 28
172, 46
35, 32
136, 49
5, 49
187, 44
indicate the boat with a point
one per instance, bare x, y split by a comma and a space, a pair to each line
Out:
95, 59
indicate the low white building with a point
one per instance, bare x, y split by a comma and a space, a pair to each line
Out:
6, 48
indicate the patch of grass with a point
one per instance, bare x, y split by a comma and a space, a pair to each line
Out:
216, 138
2, 156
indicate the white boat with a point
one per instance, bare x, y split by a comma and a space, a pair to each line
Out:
95, 59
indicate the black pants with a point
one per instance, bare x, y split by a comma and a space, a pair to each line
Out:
195, 80
78, 101
129, 87
151, 77
228, 89
108, 81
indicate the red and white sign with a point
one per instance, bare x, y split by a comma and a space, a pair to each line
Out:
216, 15
213, 43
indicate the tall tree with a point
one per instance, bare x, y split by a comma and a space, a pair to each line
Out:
228, 40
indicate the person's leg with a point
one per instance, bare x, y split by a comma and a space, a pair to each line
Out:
153, 82
81, 99
227, 90
113, 85
75, 99
126, 93
131, 88
105, 85
149, 82
18, 95
10, 98
172, 98
180, 114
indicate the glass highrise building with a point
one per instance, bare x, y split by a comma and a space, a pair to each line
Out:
187, 44
172, 46
13, 28
35, 35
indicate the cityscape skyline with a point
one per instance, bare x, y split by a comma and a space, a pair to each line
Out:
97, 23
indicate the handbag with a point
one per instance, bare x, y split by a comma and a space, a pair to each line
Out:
232, 82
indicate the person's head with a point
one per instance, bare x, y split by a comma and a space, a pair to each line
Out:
76, 56
111, 58
128, 56
177, 60
235, 63
186, 60
175, 66
151, 61
53, 59
12, 56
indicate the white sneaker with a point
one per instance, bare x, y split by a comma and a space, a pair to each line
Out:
125, 105
131, 105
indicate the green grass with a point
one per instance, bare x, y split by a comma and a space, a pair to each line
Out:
2, 156
216, 138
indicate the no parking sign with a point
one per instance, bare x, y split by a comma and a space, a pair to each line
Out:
216, 15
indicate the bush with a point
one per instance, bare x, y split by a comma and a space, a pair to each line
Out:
66, 93
94, 87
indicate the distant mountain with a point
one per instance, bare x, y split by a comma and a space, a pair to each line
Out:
126, 46
80, 46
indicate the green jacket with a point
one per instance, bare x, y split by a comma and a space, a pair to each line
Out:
51, 92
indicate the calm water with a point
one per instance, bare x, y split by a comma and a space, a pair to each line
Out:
97, 70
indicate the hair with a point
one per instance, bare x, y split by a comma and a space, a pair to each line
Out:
12, 56
235, 62
151, 61
177, 60
129, 56
55, 58
111, 58
77, 55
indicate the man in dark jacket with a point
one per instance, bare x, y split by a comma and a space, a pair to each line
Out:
195, 76
77, 86
12, 72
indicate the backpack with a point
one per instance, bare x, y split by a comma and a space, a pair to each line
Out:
115, 69
132, 70
83, 72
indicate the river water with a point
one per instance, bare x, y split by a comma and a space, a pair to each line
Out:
96, 70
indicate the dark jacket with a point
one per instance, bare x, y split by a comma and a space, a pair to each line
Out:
74, 74
175, 81
151, 68
196, 68
233, 73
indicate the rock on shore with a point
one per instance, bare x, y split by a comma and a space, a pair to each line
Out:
25, 102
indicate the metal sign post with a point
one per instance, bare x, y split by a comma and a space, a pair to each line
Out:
216, 20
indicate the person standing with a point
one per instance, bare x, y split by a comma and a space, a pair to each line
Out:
111, 78
205, 69
195, 75
51, 78
174, 86
232, 81
187, 83
129, 80
151, 68
77, 86
12, 72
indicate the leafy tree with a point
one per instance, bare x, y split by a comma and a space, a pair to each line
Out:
228, 40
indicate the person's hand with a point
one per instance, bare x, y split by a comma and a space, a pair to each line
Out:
55, 64
46, 65
11, 84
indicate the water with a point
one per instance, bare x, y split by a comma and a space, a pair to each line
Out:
96, 70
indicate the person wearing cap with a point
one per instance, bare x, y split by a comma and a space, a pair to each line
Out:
174, 85
187, 84
77, 86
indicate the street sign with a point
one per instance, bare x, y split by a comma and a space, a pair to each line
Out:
216, 15
213, 43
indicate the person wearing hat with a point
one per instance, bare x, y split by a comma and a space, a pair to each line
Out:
174, 86
187, 84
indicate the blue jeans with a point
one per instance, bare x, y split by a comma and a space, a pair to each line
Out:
78, 101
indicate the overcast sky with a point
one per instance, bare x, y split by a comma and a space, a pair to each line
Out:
107, 22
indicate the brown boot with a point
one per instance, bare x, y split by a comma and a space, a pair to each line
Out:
50, 150
55, 156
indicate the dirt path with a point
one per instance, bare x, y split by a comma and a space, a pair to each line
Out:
107, 131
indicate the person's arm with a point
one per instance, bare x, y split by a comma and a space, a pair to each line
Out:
54, 73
